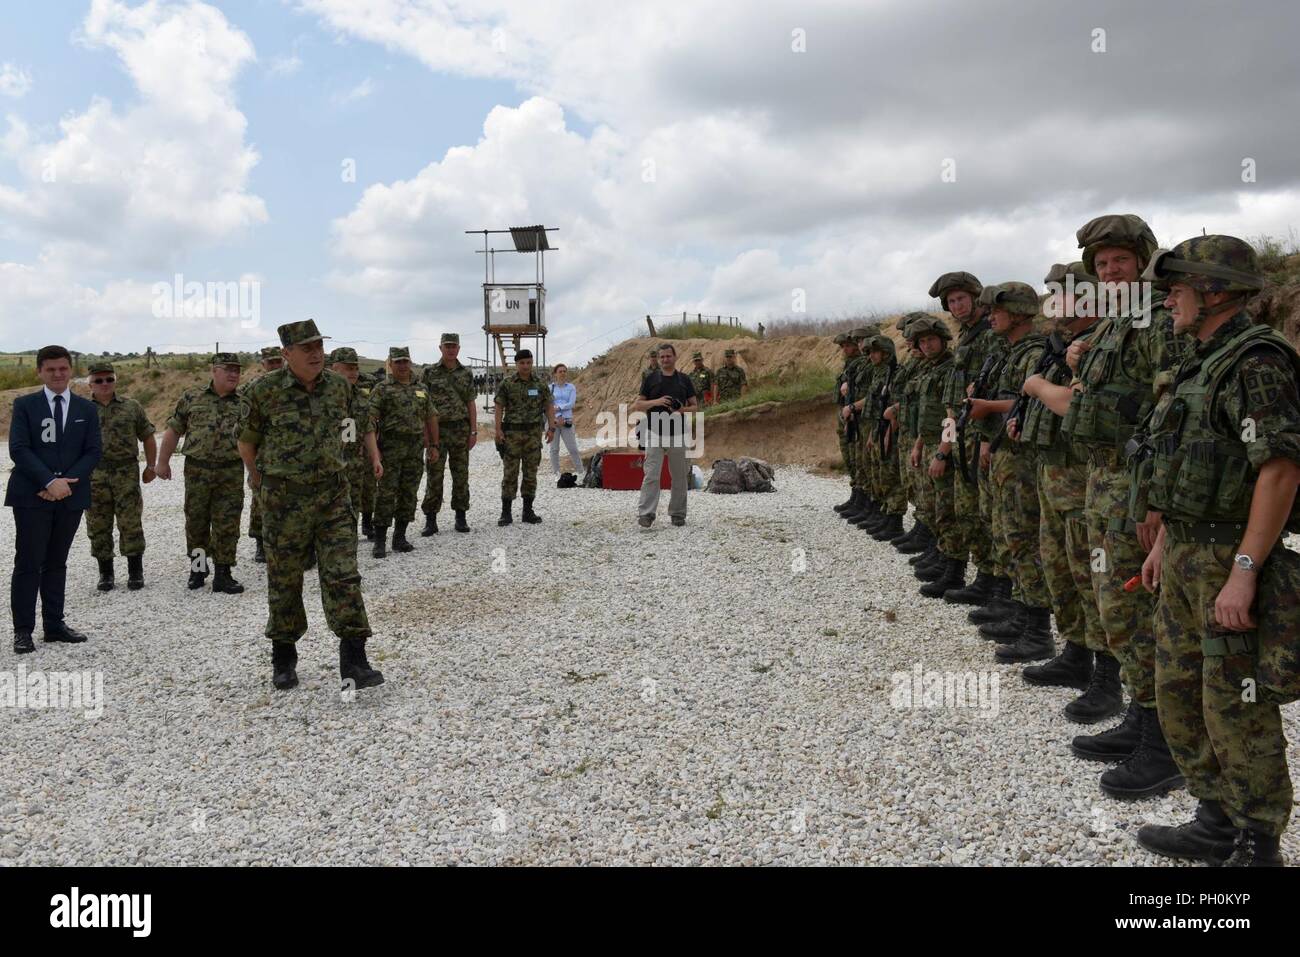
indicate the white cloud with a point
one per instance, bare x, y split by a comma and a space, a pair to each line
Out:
358, 92
14, 81
285, 65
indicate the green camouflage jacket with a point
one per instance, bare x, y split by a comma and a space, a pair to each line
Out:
300, 435
123, 424
209, 423
523, 402
451, 390
398, 408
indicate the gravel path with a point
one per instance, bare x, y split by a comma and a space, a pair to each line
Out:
575, 692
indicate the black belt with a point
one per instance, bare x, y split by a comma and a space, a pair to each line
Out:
521, 427
275, 482
211, 464
1205, 533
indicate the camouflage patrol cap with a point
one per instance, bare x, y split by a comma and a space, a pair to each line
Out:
951, 281
697, 355
450, 338
1077, 269
100, 366
929, 325
226, 359
296, 333
1207, 264
399, 352
344, 354
1015, 297
270, 352
1123, 230
729, 352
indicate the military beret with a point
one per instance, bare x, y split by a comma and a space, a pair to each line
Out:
296, 333
450, 338
344, 354
100, 365
399, 352
226, 359
270, 352
524, 354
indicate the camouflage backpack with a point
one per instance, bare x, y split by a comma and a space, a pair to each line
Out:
726, 479
756, 475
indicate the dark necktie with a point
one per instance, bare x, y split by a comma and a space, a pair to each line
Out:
58, 419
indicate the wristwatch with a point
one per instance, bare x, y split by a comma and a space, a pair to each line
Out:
941, 456
1245, 563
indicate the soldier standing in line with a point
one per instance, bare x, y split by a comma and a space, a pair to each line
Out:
523, 403
857, 372
344, 361
702, 377
214, 473
115, 483
364, 496
847, 436
295, 425
882, 449
903, 414
731, 379
927, 454
271, 359
403, 416
451, 386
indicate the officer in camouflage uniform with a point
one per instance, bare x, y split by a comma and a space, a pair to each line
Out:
905, 411
701, 377
1225, 441
115, 483
864, 374
1026, 634
364, 498
731, 379
522, 404
451, 386
357, 465
927, 454
881, 450
405, 420
847, 436
1116, 374
214, 474
271, 359
296, 424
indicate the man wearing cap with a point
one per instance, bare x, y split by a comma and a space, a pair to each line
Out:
701, 377
115, 486
523, 404
270, 359
652, 363
451, 386
345, 362
406, 423
731, 379
214, 473
296, 425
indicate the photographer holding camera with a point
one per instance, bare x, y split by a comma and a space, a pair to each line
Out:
564, 394
666, 397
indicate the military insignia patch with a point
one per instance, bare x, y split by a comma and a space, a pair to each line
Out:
1263, 385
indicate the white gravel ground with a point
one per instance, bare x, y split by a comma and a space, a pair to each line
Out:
575, 692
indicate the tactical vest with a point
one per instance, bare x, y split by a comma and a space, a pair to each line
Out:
1198, 473
1116, 396
1042, 426
931, 409
967, 358
910, 408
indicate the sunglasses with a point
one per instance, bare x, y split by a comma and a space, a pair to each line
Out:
101, 380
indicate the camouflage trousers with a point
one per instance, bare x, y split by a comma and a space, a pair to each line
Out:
999, 558
1229, 746
454, 437
973, 536
254, 516
1014, 477
403, 457
846, 450
1063, 542
298, 517
115, 493
523, 452
889, 490
941, 498
906, 477
357, 469
922, 490
1126, 617
214, 502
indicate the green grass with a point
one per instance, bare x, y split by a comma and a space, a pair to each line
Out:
1277, 256
805, 382
703, 330
18, 377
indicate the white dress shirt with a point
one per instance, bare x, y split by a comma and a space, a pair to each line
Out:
67, 401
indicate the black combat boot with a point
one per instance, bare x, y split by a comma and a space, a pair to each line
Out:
105, 574
1255, 849
1208, 837
976, 593
430, 525
368, 524
353, 665
902, 541
381, 542
259, 551
135, 572
953, 575
932, 570
1072, 668
1150, 770
865, 505
848, 503
284, 656
922, 538
505, 518
925, 555
1035, 642
400, 544
872, 523
997, 605
1103, 698
1115, 744
1008, 628
197, 579
461, 524
889, 529
865, 517
225, 583
531, 517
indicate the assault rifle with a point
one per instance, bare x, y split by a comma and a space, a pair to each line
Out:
1053, 355
882, 426
991, 362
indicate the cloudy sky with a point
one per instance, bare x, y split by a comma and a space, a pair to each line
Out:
707, 157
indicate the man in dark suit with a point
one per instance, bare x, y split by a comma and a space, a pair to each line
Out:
54, 443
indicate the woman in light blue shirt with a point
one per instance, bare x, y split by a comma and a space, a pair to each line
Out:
564, 394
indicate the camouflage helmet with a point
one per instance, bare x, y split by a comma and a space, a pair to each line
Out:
862, 332
1207, 264
1077, 269
1124, 230
929, 325
1015, 297
951, 281
841, 339
905, 321
881, 343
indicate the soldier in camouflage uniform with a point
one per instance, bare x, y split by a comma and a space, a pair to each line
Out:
522, 404
451, 386
731, 380
882, 449
357, 465
1114, 389
1225, 461
847, 436
115, 483
364, 498
905, 412
701, 377
296, 424
214, 475
406, 423
859, 385
933, 426
271, 359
